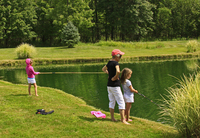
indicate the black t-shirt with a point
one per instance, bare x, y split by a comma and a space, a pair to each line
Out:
112, 72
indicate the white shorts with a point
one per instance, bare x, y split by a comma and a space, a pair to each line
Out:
31, 80
128, 99
115, 94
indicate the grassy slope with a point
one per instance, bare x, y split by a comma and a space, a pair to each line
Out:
71, 118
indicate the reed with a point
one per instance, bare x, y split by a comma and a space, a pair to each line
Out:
182, 106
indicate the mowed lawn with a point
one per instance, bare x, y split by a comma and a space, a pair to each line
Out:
103, 50
71, 117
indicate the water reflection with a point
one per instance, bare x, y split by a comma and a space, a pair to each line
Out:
150, 78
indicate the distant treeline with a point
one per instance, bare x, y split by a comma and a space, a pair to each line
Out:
40, 22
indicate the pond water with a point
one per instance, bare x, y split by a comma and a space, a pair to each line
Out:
149, 78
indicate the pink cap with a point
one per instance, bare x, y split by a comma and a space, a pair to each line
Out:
117, 51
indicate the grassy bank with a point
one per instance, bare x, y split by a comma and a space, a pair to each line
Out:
100, 52
71, 118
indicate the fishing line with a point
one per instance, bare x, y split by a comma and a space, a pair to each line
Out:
72, 73
149, 100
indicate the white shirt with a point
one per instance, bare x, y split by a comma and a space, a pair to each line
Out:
126, 88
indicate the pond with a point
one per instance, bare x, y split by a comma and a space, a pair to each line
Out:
149, 78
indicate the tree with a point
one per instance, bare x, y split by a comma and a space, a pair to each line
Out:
128, 19
163, 22
184, 17
17, 19
76, 11
70, 35
46, 30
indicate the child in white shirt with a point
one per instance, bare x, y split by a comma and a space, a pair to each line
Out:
128, 90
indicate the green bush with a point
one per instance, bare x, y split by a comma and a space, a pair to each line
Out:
192, 46
182, 106
70, 35
25, 51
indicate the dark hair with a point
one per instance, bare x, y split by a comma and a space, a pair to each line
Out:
125, 73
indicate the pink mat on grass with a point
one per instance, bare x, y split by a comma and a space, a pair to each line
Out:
98, 114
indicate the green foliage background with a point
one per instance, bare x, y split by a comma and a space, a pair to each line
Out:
40, 22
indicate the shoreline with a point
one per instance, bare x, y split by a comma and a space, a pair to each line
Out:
59, 61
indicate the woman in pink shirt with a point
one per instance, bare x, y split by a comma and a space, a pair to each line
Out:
31, 76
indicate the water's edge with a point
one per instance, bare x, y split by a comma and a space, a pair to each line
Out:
19, 62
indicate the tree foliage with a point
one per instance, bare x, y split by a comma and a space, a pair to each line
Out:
70, 35
182, 19
17, 20
41, 21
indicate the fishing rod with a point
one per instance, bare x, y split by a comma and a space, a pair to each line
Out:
72, 72
149, 100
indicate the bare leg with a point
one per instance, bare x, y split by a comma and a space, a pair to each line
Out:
35, 85
127, 111
112, 114
29, 88
122, 116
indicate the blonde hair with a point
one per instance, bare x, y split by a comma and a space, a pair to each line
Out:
125, 73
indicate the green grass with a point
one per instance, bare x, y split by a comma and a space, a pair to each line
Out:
71, 118
103, 49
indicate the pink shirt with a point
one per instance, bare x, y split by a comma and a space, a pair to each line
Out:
29, 69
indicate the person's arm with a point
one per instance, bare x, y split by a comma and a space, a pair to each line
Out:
132, 89
35, 73
117, 73
105, 69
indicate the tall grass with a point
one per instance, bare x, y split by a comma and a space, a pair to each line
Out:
25, 51
136, 45
182, 106
192, 45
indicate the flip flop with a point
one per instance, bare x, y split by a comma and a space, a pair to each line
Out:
98, 114
129, 120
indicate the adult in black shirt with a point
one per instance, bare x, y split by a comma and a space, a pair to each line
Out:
113, 86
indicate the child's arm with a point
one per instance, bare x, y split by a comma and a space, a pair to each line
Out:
132, 89
117, 73
35, 73
105, 69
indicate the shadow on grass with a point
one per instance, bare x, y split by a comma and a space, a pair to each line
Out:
172, 135
64, 47
19, 95
92, 119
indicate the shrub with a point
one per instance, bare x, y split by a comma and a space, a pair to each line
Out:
25, 51
70, 35
182, 106
192, 45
